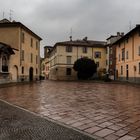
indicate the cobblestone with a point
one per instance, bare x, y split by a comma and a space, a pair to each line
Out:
17, 124
82, 105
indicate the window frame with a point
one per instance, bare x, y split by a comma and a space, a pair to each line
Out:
69, 60
84, 49
69, 48
97, 54
68, 71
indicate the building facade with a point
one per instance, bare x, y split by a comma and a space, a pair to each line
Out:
61, 58
25, 64
128, 56
111, 54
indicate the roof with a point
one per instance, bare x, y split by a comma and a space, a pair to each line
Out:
6, 48
137, 28
111, 37
7, 23
88, 43
48, 46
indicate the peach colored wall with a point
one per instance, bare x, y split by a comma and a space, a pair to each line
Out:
133, 57
12, 37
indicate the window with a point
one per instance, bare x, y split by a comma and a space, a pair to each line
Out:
31, 57
36, 71
139, 50
97, 54
110, 50
123, 54
36, 45
127, 55
68, 71
22, 70
4, 64
110, 62
36, 59
22, 55
97, 63
126, 67
68, 59
22, 37
121, 70
139, 68
68, 48
84, 49
119, 57
31, 42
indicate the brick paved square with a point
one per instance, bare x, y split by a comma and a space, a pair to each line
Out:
104, 132
93, 129
127, 137
82, 105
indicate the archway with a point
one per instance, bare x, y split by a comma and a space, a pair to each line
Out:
31, 74
14, 73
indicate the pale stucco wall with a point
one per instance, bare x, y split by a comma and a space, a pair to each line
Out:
58, 61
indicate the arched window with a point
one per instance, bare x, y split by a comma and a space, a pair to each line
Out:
4, 64
4, 61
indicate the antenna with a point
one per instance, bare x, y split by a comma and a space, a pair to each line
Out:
3, 15
130, 25
71, 34
10, 15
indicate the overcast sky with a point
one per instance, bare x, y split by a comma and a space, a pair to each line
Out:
53, 20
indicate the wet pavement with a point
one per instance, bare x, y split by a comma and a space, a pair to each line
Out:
104, 110
18, 124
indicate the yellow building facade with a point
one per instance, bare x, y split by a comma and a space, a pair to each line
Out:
128, 56
63, 55
25, 64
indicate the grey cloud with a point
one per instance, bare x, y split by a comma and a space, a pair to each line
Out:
53, 19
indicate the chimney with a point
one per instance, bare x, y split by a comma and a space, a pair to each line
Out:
70, 38
85, 38
118, 33
122, 33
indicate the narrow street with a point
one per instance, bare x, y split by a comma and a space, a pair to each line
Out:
105, 110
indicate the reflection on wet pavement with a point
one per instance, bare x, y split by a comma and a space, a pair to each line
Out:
110, 111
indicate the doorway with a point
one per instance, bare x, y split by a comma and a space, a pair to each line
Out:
31, 74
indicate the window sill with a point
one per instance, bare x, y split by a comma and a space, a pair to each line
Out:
4, 72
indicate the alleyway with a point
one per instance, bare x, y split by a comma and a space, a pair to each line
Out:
109, 111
